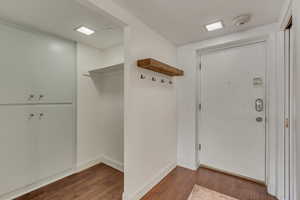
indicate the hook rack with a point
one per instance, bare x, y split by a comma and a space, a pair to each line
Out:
143, 76
154, 79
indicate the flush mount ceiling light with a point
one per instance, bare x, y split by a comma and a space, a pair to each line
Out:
85, 30
214, 26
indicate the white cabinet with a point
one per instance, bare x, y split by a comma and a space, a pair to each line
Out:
37, 87
37, 142
55, 139
54, 72
35, 68
18, 147
16, 66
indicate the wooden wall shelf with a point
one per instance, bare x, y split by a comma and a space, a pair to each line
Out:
160, 67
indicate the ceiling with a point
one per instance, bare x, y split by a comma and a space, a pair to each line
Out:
61, 17
183, 21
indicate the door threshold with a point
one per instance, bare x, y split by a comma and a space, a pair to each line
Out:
233, 174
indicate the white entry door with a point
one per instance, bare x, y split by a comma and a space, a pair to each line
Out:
232, 115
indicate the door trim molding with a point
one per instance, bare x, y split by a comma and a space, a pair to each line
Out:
272, 121
286, 15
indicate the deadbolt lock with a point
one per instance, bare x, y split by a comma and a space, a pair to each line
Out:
259, 119
259, 105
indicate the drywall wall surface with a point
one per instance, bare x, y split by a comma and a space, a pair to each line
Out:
186, 108
151, 135
113, 55
187, 92
88, 111
296, 25
150, 107
100, 100
111, 115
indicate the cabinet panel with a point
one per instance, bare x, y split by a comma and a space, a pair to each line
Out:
56, 139
17, 148
16, 66
36, 64
55, 75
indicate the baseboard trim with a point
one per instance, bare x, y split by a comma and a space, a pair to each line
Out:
24, 190
148, 186
188, 166
85, 165
113, 163
78, 168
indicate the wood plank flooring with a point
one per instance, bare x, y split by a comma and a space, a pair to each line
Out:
100, 182
104, 183
179, 183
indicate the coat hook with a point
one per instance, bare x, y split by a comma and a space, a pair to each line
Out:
170, 82
153, 79
162, 80
143, 76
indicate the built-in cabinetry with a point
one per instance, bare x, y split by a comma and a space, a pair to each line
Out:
35, 68
37, 82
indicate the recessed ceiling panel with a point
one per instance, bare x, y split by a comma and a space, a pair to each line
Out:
62, 17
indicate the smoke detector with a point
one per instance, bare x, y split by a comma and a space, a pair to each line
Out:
241, 20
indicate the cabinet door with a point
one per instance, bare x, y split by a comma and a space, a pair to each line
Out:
17, 148
55, 74
35, 68
16, 66
56, 139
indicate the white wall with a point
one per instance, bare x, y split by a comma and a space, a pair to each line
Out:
296, 24
88, 136
151, 135
150, 108
113, 55
110, 119
99, 107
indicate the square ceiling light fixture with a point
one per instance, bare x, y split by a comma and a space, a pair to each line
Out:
84, 30
214, 26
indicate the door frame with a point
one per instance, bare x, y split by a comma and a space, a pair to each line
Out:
290, 159
290, 146
199, 97
272, 156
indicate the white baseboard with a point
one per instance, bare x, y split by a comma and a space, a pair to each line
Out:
37, 185
85, 165
112, 163
80, 167
148, 186
188, 165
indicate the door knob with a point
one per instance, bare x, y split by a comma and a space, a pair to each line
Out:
41, 115
259, 119
41, 96
31, 115
31, 96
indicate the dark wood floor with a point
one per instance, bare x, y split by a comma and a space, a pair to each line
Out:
179, 183
104, 183
100, 182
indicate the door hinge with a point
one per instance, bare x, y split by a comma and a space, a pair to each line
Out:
199, 147
200, 107
200, 66
286, 123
